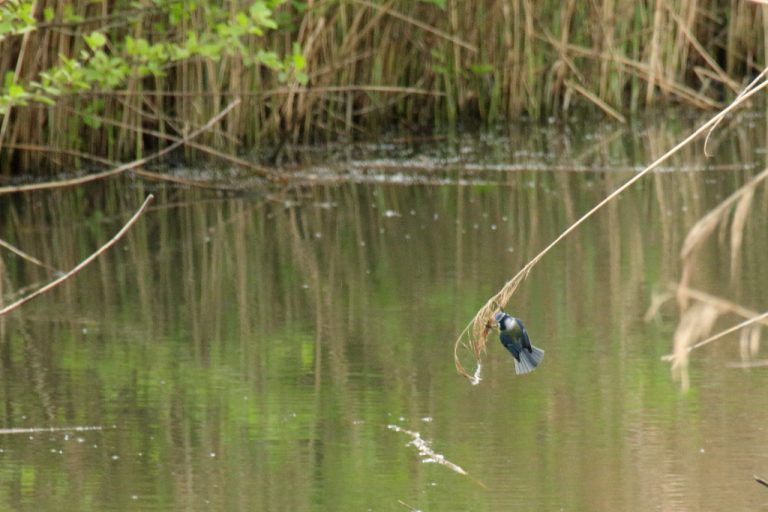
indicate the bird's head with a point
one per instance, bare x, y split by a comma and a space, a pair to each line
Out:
505, 321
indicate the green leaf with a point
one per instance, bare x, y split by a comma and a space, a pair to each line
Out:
70, 16
16, 91
93, 122
299, 62
481, 69
95, 40
45, 99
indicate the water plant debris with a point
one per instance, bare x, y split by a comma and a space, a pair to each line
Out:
427, 454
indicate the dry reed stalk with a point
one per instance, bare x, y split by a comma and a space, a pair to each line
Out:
719, 72
122, 168
749, 87
71, 152
476, 330
87, 261
416, 23
643, 71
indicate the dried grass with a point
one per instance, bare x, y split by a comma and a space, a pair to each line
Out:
696, 323
740, 202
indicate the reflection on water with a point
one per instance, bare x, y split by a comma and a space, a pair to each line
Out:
249, 353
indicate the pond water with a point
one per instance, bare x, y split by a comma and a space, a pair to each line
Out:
273, 351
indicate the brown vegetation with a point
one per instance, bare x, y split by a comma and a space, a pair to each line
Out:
397, 64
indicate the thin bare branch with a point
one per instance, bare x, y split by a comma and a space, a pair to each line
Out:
18, 252
87, 261
597, 101
122, 168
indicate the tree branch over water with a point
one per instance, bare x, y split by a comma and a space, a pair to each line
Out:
124, 167
87, 261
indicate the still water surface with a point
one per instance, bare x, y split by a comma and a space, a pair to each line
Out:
251, 352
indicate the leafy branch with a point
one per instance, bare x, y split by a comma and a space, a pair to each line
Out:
107, 61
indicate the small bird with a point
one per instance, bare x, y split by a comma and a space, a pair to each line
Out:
514, 337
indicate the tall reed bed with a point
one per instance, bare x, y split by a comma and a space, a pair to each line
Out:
376, 66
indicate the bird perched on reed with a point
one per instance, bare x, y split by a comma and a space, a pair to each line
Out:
515, 338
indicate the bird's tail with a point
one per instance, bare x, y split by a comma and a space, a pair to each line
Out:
528, 360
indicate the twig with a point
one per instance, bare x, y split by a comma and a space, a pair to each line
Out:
475, 327
746, 89
258, 169
18, 252
48, 149
140, 172
82, 264
759, 480
597, 101
122, 168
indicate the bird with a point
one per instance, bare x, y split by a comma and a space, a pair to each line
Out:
515, 338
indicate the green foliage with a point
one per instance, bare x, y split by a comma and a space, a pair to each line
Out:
16, 18
107, 60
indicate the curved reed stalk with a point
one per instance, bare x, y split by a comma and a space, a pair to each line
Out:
475, 334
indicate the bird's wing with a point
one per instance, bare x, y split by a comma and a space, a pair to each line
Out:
511, 343
526, 341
